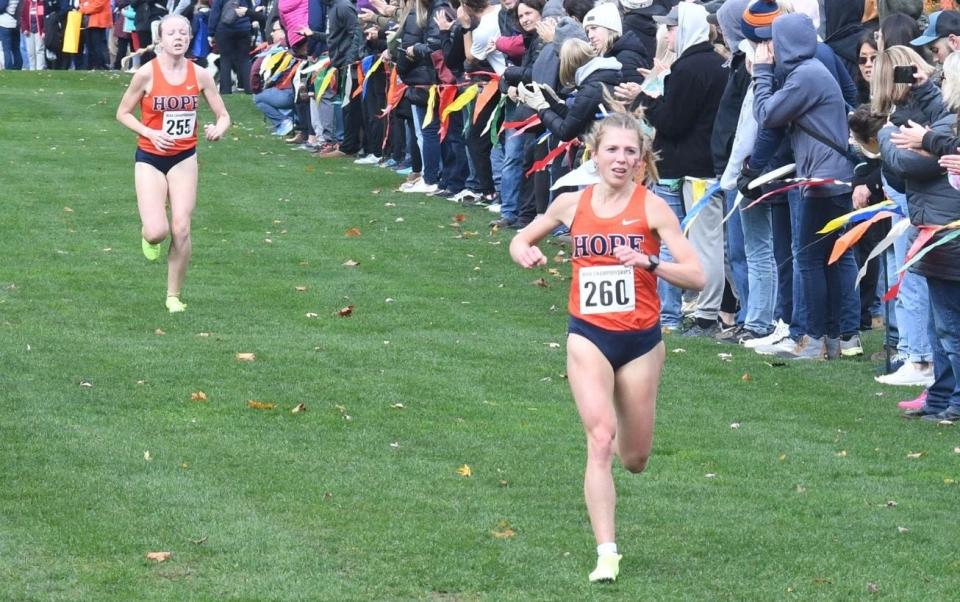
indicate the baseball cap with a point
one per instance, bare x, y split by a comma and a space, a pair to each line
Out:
671, 19
942, 23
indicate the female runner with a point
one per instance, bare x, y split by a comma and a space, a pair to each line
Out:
167, 90
614, 349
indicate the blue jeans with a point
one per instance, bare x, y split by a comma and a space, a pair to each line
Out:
757, 228
275, 104
455, 166
496, 165
10, 38
737, 256
912, 304
945, 336
671, 297
511, 175
798, 317
783, 255
428, 141
833, 307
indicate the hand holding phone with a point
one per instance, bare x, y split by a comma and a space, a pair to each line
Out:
904, 74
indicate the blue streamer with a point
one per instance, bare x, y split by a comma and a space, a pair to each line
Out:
698, 206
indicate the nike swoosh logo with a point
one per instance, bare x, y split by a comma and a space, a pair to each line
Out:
628, 222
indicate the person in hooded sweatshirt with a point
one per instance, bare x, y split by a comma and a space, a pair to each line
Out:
638, 17
810, 102
842, 22
683, 117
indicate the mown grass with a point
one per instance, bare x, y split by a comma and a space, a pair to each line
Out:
813, 496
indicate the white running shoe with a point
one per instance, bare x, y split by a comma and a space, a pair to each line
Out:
406, 186
786, 344
494, 208
370, 159
908, 375
467, 195
781, 330
422, 187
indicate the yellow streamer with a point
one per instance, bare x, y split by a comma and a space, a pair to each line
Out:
465, 98
431, 101
839, 222
326, 81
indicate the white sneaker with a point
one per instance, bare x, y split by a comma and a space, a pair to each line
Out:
368, 160
784, 344
494, 208
908, 375
421, 186
467, 195
781, 330
406, 186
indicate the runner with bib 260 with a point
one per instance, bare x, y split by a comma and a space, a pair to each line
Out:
614, 348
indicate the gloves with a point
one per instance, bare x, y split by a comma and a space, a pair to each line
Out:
532, 96
747, 175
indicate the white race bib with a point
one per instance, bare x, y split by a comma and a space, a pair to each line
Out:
179, 124
607, 289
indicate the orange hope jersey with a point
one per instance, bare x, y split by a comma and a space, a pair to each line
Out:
603, 292
172, 109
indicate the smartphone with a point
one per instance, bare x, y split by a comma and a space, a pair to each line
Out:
904, 74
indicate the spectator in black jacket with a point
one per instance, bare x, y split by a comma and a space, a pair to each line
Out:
604, 28
230, 26
683, 117
344, 39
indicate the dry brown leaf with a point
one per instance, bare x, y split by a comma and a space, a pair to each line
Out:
158, 556
465, 471
253, 404
459, 218
300, 407
503, 483
503, 531
67, 210
246, 357
198, 396
350, 263
200, 541
159, 332
353, 232
541, 282
915, 455
345, 312
746, 377
300, 289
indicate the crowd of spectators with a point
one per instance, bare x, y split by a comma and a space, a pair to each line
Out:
485, 103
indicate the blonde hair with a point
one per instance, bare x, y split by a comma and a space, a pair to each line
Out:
574, 53
951, 82
884, 93
167, 18
632, 122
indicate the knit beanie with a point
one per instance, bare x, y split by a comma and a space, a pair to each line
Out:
604, 15
758, 18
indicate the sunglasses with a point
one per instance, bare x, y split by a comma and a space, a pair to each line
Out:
863, 60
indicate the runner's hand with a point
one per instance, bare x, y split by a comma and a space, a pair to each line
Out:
211, 132
160, 139
531, 257
630, 258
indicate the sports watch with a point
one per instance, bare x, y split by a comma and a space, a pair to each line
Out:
654, 263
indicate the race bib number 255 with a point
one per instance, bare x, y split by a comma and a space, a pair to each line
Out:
607, 289
179, 124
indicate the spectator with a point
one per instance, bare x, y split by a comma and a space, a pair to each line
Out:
10, 34
99, 23
942, 35
230, 27
31, 28
605, 30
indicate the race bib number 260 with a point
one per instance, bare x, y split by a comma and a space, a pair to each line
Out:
179, 124
606, 289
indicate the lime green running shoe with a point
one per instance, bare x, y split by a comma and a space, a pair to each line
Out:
174, 305
608, 567
150, 251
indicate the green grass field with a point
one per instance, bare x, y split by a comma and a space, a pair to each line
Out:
796, 482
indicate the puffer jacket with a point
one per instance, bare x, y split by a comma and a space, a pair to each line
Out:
931, 200
598, 75
419, 70
344, 36
629, 51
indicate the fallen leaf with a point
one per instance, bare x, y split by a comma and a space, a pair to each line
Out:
300, 407
375, 191
246, 357
465, 471
541, 282
503, 530
353, 232
389, 204
350, 263
891, 504
956, 450
268, 241
503, 483
146, 456
200, 541
141, 382
822, 581
158, 556
746, 377
841, 454
388, 300
203, 334
710, 475
679, 350
300, 289
800, 489
915, 455
398, 406
345, 312
395, 445
67, 210
902, 530
734, 425
725, 357
949, 481
159, 332
399, 220
86, 384
872, 588
782, 457
553, 345
459, 217
311, 314
253, 404
198, 396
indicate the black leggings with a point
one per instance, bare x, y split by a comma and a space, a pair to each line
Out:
480, 147
234, 47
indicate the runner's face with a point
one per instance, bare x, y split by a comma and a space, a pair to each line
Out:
618, 156
175, 37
